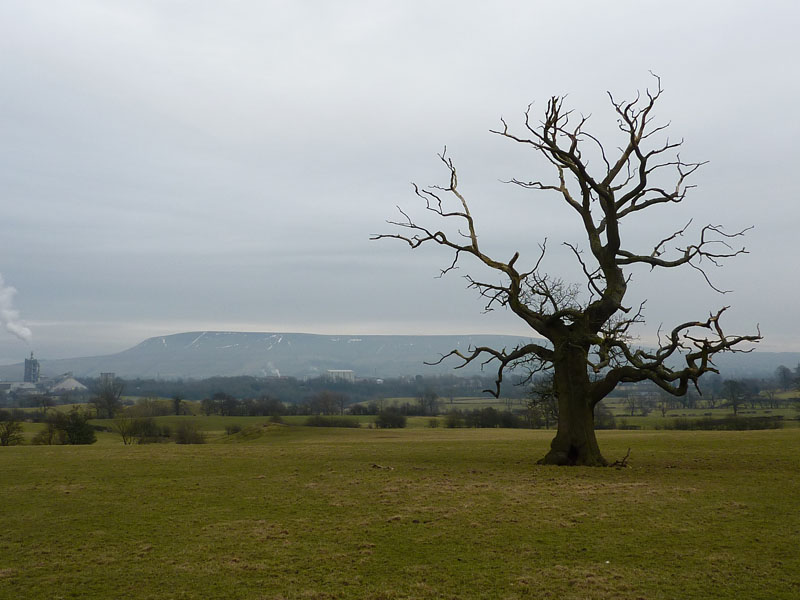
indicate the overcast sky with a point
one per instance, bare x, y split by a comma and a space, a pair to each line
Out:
169, 166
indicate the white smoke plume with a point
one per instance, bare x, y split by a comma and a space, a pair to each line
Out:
9, 316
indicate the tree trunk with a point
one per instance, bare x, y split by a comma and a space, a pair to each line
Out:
575, 442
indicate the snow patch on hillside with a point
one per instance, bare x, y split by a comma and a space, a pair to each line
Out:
195, 340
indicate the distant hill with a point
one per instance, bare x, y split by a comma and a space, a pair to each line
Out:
202, 354
207, 353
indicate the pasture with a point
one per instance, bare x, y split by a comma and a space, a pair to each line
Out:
291, 512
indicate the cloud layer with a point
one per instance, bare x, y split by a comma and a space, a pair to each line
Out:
182, 166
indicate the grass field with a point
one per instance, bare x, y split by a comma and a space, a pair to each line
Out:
317, 513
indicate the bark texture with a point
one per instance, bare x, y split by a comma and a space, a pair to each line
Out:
575, 442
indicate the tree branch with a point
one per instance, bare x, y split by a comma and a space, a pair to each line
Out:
503, 358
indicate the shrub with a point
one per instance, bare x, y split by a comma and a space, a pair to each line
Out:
151, 407
433, 423
390, 418
10, 430
49, 436
187, 432
510, 420
74, 427
232, 429
124, 426
483, 418
725, 424
454, 419
147, 431
603, 417
325, 421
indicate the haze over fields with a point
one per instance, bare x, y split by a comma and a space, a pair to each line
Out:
201, 354
206, 353
173, 167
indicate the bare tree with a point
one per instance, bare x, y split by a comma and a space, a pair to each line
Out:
734, 392
542, 402
126, 426
631, 402
44, 402
588, 327
784, 377
328, 403
428, 401
107, 399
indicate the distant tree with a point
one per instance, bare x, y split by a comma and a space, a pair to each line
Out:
272, 406
770, 396
639, 402
689, 400
44, 402
647, 402
428, 402
734, 393
784, 377
107, 398
327, 402
630, 403
542, 404
588, 325
751, 389
208, 406
225, 404
10, 429
712, 389
177, 403
341, 402
370, 408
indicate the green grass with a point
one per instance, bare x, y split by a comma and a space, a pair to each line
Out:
318, 513
655, 420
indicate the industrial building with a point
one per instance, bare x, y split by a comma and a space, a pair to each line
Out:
31, 370
341, 375
33, 383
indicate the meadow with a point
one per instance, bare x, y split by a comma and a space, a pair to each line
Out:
290, 512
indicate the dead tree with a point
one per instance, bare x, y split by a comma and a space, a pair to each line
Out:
588, 332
